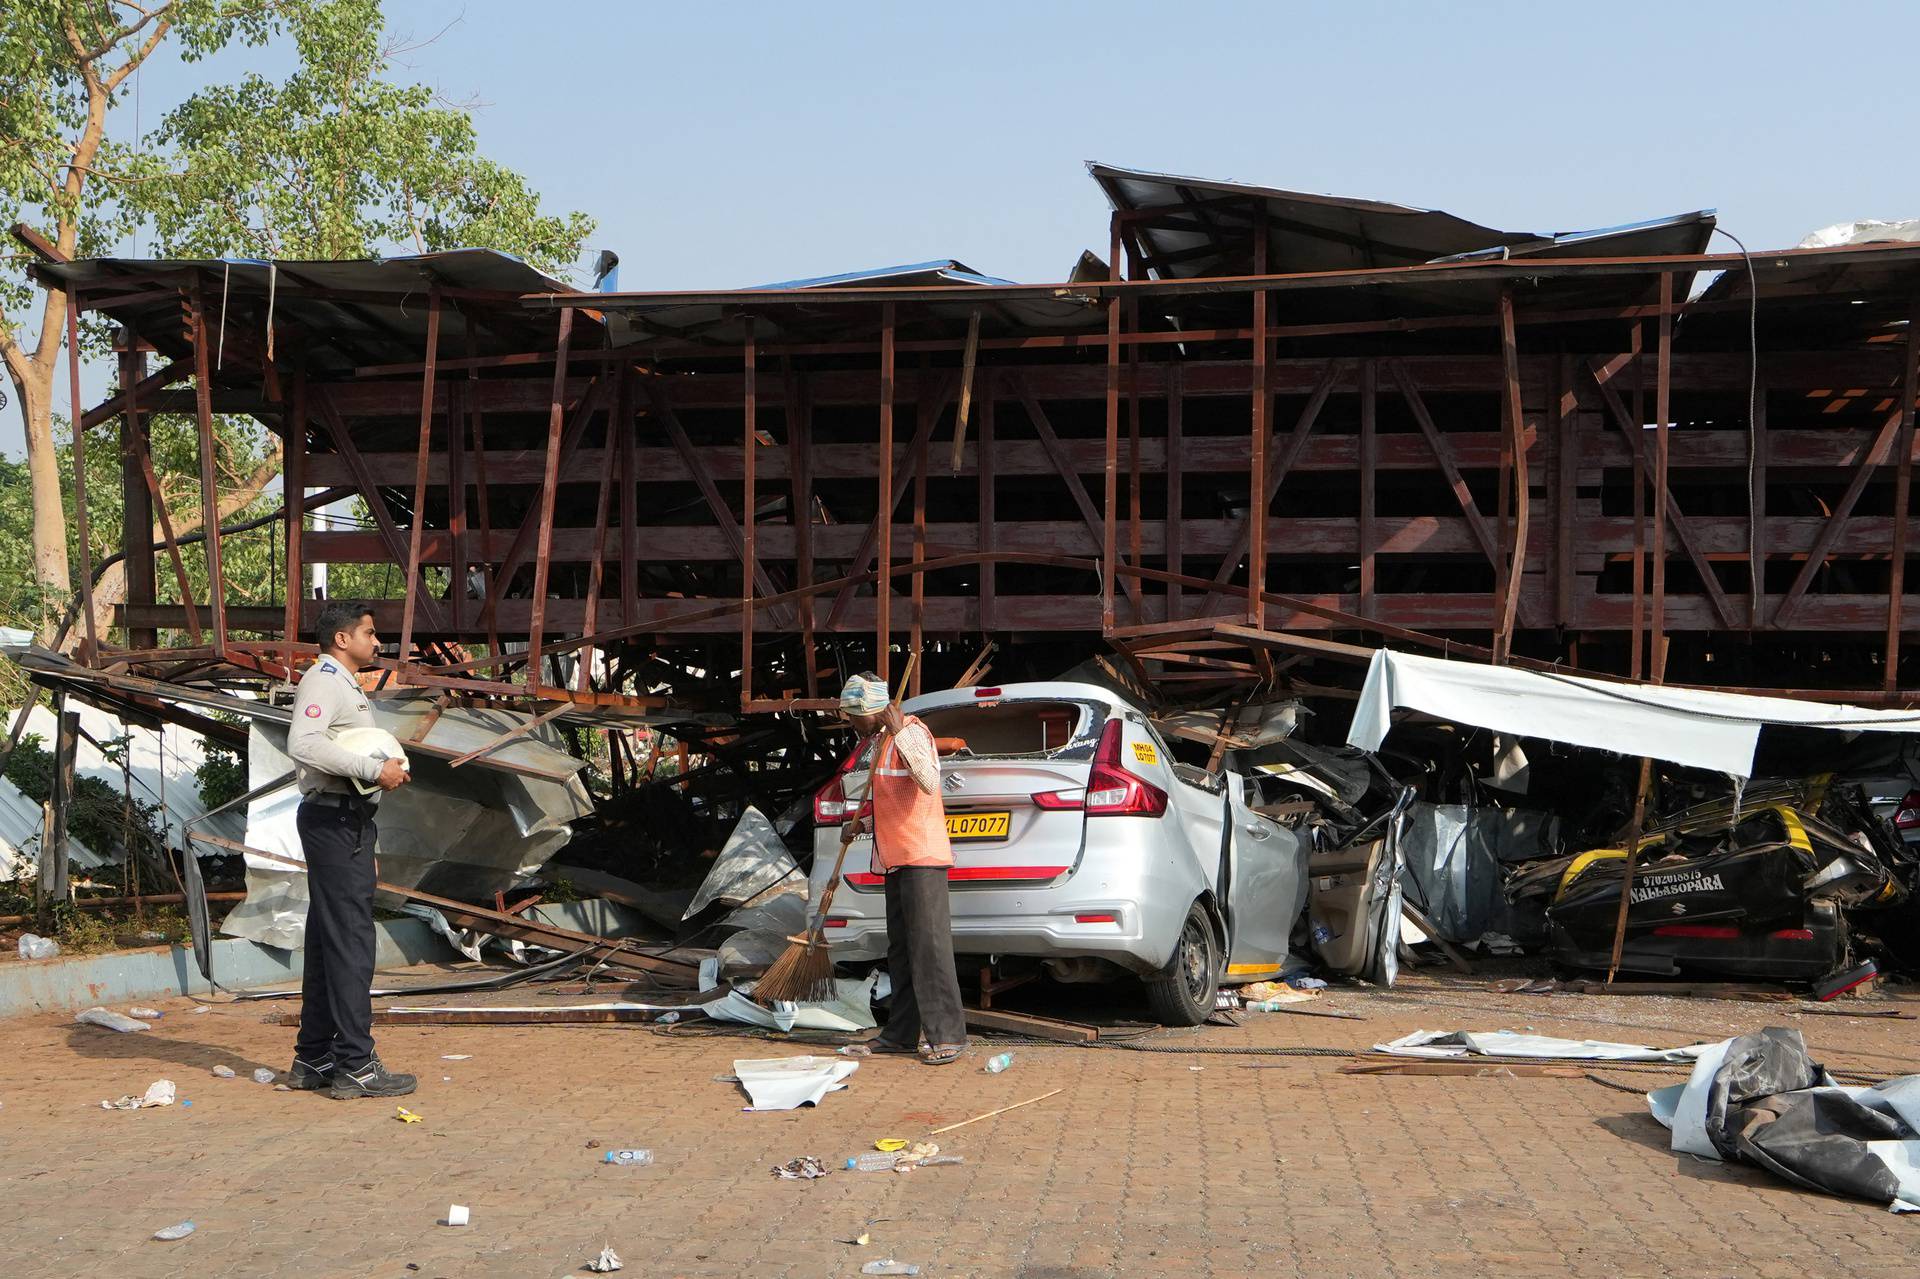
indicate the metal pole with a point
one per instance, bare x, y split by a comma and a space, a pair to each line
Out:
1902, 496
556, 419
209, 490
414, 579
1662, 397
749, 558
1257, 463
293, 486
883, 585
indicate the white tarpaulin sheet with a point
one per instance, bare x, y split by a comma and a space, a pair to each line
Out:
850, 1009
1509, 1044
1684, 726
784, 1083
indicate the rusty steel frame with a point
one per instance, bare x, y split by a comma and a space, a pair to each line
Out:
1568, 453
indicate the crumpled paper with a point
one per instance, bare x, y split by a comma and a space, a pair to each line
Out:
801, 1169
606, 1263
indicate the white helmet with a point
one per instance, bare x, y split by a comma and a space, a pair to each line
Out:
376, 742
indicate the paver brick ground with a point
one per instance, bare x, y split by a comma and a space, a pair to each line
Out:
1148, 1163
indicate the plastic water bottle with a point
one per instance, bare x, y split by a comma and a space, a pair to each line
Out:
629, 1158
874, 1161
889, 1267
998, 1063
1266, 1006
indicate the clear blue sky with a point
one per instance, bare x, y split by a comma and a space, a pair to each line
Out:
738, 144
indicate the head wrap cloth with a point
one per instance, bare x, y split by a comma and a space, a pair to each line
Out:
864, 696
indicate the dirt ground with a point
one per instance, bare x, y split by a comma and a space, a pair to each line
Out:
1192, 1162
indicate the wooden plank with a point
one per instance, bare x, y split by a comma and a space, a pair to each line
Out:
1176, 498
136, 507
1662, 487
1109, 553
987, 528
1064, 1032
1566, 471
1473, 1068
1830, 530
1043, 427
800, 514
293, 452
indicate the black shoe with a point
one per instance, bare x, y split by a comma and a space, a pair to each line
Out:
371, 1080
308, 1077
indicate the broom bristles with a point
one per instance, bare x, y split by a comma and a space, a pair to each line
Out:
801, 973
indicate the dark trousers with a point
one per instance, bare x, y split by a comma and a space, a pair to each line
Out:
926, 991
336, 1003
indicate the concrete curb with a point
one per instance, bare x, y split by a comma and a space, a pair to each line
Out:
161, 972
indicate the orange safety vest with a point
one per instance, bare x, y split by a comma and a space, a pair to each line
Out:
909, 825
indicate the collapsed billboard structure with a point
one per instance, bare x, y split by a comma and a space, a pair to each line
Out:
1267, 434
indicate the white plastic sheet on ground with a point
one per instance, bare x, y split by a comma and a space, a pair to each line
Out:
850, 1009
1699, 729
785, 1083
1510, 1044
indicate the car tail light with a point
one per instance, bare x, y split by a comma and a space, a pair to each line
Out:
1792, 934
1716, 932
1114, 792
1907, 816
986, 692
1061, 799
831, 807
1096, 919
835, 923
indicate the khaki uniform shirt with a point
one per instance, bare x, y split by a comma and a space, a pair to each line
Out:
329, 701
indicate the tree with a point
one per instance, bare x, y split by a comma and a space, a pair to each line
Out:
334, 162
63, 64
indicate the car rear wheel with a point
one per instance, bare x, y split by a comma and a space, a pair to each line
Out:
1181, 994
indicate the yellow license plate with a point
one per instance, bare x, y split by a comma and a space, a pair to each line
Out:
978, 825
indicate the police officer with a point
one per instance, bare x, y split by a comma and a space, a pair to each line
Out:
335, 1046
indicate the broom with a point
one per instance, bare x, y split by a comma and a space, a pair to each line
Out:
804, 972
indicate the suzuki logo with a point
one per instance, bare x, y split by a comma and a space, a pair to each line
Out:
952, 782
1678, 908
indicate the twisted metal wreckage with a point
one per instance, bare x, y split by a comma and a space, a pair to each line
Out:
1267, 435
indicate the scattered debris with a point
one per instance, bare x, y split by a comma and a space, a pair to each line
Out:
889, 1267
223, 1072
998, 1062
1443, 1044
145, 1014
860, 1240
405, 1116
1464, 1069
1890, 1014
172, 1233
458, 1215
97, 1016
890, 1143
1839, 984
629, 1158
159, 1093
456, 1057
1762, 1099
261, 1075
806, 1169
606, 1263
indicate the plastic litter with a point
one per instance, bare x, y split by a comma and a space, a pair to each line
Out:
97, 1016
262, 1075
171, 1233
999, 1062
667, 1019
159, 1093
456, 1057
629, 1158
405, 1116
34, 946
890, 1143
606, 1263
873, 1161
889, 1267
806, 1169
223, 1072
457, 1215
145, 1014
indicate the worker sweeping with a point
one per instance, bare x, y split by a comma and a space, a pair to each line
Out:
911, 848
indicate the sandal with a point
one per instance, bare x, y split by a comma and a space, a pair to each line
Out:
944, 1054
875, 1047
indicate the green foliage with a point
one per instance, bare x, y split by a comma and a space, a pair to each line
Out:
222, 775
97, 815
337, 161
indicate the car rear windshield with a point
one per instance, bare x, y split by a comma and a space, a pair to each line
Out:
1014, 729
